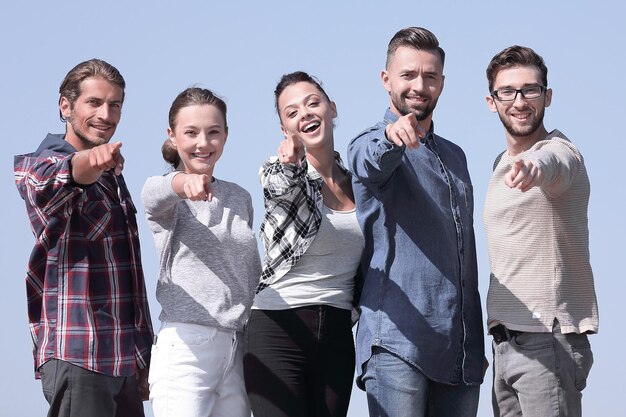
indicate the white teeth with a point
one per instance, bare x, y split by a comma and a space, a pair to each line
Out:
311, 126
198, 155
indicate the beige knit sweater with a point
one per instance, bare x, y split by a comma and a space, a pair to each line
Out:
539, 244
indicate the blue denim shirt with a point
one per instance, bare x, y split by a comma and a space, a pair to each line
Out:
420, 297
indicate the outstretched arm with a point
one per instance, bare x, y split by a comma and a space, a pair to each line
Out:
279, 177
374, 155
88, 165
553, 167
195, 187
524, 175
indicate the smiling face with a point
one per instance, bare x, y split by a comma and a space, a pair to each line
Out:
199, 136
305, 112
414, 79
522, 117
93, 117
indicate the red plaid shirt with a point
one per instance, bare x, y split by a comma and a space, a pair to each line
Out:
87, 301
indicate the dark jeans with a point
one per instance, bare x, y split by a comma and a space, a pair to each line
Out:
299, 362
73, 391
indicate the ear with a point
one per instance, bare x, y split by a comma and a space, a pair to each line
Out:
333, 107
65, 107
282, 129
443, 83
548, 99
491, 103
384, 76
170, 133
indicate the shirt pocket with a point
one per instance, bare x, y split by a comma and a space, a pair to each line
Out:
96, 219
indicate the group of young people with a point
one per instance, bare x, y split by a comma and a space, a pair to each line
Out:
386, 240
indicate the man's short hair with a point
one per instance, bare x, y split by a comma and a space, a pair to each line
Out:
71, 86
416, 38
516, 56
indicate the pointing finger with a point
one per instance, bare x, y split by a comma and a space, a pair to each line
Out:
291, 149
419, 131
408, 137
207, 187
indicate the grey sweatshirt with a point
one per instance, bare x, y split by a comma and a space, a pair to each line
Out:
208, 254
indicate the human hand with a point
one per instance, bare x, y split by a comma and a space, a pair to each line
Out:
405, 132
524, 175
107, 156
142, 383
196, 187
291, 150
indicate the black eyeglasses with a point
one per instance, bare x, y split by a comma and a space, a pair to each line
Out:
510, 94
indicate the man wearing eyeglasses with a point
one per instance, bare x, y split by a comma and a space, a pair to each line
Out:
541, 303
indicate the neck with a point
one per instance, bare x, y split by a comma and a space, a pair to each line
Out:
323, 160
426, 123
75, 141
518, 144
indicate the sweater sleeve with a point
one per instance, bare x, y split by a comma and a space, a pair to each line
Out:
160, 200
560, 162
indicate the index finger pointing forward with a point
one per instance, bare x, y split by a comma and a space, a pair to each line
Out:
115, 147
408, 137
206, 181
417, 129
293, 140
517, 174
291, 149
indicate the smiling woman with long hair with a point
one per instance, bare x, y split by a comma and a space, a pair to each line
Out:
299, 352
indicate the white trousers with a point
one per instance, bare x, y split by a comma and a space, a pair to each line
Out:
197, 371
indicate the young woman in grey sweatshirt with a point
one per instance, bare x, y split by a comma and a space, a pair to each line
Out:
209, 267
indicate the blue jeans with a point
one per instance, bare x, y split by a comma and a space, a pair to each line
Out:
540, 375
397, 389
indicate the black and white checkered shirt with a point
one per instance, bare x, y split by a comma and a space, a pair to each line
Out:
293, 214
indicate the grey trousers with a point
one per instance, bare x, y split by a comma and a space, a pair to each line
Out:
73, 391
540, 375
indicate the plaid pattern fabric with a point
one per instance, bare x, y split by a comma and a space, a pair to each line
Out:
293, 214
87, 302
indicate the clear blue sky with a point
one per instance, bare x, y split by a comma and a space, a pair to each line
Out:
240, 51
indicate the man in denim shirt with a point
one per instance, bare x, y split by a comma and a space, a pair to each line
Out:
420, 348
